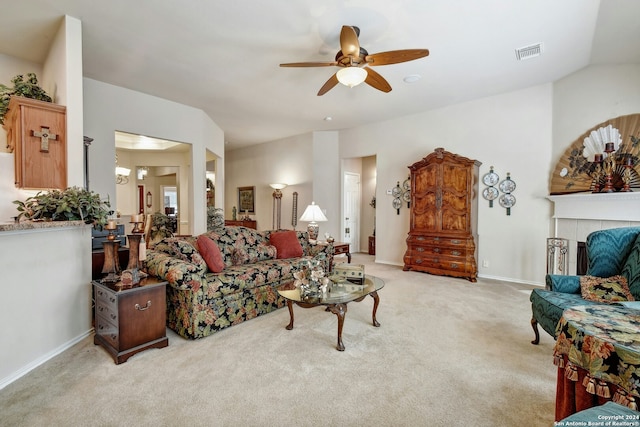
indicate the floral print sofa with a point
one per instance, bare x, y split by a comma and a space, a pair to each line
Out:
201, 302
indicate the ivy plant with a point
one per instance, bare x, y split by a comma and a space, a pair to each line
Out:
27, 88
72, 204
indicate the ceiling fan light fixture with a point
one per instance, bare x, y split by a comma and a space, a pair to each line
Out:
351, 76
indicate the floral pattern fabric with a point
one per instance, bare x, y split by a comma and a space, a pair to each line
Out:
605, 341
608, 290
201, 302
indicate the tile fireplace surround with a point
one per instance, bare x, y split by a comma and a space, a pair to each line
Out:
577, 215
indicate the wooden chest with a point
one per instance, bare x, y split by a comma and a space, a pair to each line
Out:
131, 320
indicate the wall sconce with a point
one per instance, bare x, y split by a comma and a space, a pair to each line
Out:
142, 172
277, 200
313, 214
149, 204
122, 175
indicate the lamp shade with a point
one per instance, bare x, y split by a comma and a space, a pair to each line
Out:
313, 213
351, 76
277, 186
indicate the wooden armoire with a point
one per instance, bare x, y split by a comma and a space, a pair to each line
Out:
444, 216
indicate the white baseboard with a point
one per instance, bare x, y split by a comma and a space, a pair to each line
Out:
42, 359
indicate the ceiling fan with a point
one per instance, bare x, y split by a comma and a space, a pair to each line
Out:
355, 62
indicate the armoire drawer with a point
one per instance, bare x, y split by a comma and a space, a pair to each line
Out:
427, 250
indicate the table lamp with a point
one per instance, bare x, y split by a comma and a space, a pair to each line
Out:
313, 214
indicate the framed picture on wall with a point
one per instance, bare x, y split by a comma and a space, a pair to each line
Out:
246, 200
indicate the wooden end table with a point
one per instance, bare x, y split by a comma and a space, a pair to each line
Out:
128, 321
338, 295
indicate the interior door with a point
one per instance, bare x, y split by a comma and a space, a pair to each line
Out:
351, 223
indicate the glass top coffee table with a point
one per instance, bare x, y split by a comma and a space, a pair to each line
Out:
338, 295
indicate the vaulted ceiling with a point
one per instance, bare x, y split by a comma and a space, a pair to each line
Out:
223, 56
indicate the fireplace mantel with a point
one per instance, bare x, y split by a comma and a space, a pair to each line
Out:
600, 206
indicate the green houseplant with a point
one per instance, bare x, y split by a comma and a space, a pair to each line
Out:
72, 204
215, 218
21, 87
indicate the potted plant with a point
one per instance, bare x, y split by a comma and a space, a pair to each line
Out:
215, 218
72, 204
27, 88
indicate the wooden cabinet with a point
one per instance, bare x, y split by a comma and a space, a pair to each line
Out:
36, 133
443, 219
245, 223
128, 321
372, 245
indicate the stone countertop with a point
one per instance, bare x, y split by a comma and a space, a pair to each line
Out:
38, 225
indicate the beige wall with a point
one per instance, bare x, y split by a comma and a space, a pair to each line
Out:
522, 132
289, 161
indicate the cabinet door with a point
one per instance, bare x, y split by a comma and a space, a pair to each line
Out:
425, 194
455, 196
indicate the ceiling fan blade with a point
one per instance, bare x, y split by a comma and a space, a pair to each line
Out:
349, 44
376, 81
330, 84
395, 56
309, 64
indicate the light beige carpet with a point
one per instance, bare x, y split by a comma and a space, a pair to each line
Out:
448, 353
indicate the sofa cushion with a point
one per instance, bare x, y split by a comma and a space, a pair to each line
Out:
211, 254
605, 289
286, 243
547, 307
186, 251
631, 269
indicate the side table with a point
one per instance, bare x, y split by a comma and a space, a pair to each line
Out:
340, 248
128, 321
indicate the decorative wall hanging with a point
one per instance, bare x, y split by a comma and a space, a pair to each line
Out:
490, 179
396, 192
582, 166
246, 200
294, 210
406, 195
507, 200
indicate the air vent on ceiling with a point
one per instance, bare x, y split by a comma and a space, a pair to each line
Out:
528, 52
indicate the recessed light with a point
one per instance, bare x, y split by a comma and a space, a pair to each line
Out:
412, 78
328, 119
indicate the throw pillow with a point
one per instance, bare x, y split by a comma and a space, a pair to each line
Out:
239, 256
211, 254
286, 243
186, 251
610, 289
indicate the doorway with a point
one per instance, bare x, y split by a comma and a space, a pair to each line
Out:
351, 203
359, 203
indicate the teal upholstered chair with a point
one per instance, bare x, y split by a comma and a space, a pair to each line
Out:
609, 252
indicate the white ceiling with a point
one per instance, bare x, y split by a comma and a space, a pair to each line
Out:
224, 56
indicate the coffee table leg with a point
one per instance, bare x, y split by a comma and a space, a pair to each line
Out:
376, 301
339, 310
290, 305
